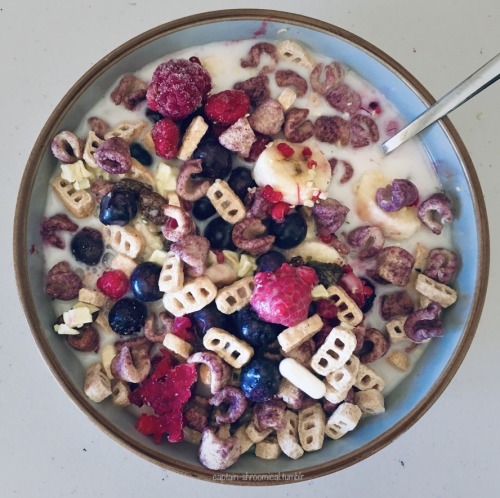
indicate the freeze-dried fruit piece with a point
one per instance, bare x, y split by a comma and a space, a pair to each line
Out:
227, 107
165, 135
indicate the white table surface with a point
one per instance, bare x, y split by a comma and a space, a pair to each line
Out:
48, 448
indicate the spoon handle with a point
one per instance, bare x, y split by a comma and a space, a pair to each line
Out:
475, 83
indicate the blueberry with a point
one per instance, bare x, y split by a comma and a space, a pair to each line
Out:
209, 317
137, 151
253, 330
260, 379
216, 160
153, 116
270, 261
127, 316
118, 207
218, 232
203, 209
240, 181
87, 246
290, 232
144, 281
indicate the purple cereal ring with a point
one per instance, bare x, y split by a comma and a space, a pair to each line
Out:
397, 195
237, 404
67, 147
334, 74
297, 128
344, 99
287, 77
368, 239
441, 265
435, 211
377, 343
332, 130
424, 323
113, 156
329, 216
363, 130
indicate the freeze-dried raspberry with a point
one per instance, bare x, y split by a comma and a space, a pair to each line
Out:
283, 296
258, 146
178, 88
165, 135
227, 107
113, 283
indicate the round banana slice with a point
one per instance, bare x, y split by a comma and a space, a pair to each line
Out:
397, 225
300, 179
315, 251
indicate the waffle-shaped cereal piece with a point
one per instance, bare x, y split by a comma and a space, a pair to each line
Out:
246, 442
125, 240
91, 145
293, 52
194, 133
435, 291
344, 419
287, 98
395, 329
345, 376
172, 273
349, 311
288, 437
255, 435
140, 173
335, 395
227, 204
179, 347
421, 254
311, 427
269, 449
194, 296
94, 297
120, 394
368, 379
370, 401
126, 130
334, 352
124, 263
97, 386
79, 203
235, 296
231, 349
293, 337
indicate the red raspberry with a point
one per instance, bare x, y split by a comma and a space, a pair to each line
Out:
258, 147
181, 328
285, 150
311, 163
178, 88
283, 296
271, 195
227, 107
279, 211
113, 283
165, 135
306, 152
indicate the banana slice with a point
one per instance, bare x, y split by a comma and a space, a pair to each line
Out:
315, 251
398, 225
299, 183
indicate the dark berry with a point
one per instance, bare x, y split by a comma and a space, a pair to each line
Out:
369, 293
127, 316
218, 232
260, 379
203, 209
144, 281
254, 331
118, 207
240, 181
209, 317
270, 261
290, 232
153, 116
87, 246
137, 151
216, 160
113, 283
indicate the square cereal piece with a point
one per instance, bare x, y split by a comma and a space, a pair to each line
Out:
246, 442
91, 145
293, 337
140, 173
293, 52
79, 203
179, 347
269, 449
194, 133
435, 291
368, 379
126, 130
126, 240
94, 297
172, 273
421, 253
194, 295
349, 311
290, 394
231, 349
255, 435
311, 427
227, 204
396, 329
235, 296
123, 263
334, 394
344, 419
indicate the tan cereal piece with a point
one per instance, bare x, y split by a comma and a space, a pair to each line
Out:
231, 349
421, 254
293, 337
395, 329
349, 311
311, 427
440, 293
194, 296
102, 322
334, 352
108, 352
400, 360
79, 203
235, 296
246, 442
147, 142
423, 301
181, 348
191, 435
255, 435
293, 52
91, 145
172, 274
97, 386
173, 199
288, 437
192, 136
345, 375
119, 394
287, 98
344, 419
335, 395
370, 402
125, 240
126, 130
226, 202
269, 449
368, 379
204, 374
140, 173
290, 394
221, 274
123, 263
94, 297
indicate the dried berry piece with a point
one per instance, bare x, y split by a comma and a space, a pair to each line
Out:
98, 126
165, 135
51, 226
227, 107
113, 283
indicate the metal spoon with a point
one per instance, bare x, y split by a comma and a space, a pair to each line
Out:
471, 86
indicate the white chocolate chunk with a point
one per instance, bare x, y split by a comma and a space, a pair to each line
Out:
287, 98
293, 337
302, 378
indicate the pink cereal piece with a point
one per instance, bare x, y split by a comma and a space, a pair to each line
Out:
363, 130
62, 282
67, 147
193, 250
98, 126
435, 211
289, 78
379, 345
267, 118
368, 239
253, 59
344, 99
329, 215
237, 404
185, 224
424, 323
131, 364
256, 88
442, 265
348, 169
297, 127
218, 452
334, 74
269, 415
113, 156
332, 130
257, 205
394, 265
155, 332
130, 92
189, 188
247, 235
220, 371
395, 304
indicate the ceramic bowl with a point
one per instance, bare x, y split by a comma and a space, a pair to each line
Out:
434, 370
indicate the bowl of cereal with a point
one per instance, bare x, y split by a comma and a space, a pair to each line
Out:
222, 268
